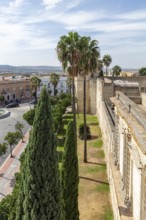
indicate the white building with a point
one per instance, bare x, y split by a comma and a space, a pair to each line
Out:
61, 87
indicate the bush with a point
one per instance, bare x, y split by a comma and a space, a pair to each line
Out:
29, 116
142, 71
81, 132
2, 98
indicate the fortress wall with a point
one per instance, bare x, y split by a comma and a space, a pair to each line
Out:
93, 93
79, 83
108, 137
143, 99
140, 79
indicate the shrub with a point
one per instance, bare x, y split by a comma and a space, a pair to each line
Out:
2, 98
81, 132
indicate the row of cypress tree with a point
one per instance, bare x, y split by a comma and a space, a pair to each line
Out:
44, 194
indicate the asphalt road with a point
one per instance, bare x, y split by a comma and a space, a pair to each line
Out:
8, 124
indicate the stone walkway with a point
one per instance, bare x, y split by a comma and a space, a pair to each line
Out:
10, 167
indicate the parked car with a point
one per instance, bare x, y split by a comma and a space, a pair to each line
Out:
13, 104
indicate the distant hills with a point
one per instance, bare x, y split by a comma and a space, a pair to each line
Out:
41, 69
29, 69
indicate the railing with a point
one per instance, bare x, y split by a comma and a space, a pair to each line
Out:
132, 108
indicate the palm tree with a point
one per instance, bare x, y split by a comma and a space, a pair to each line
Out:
69, 83
88, 64
116, 70
107, 61
100, 67
34, 84
54, 79
69, 55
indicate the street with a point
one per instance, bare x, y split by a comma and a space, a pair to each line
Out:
8, 124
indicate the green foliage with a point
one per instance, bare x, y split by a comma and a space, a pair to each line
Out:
116, 70
81, 132
34, 84
12, 139
49, 91
40, 193
59, 108
142, 71
69, 83
19, 127
2, 98
54, 79
69, 175
3, 148
107, 59
29, 116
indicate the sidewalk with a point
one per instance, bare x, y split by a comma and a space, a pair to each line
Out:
10, 167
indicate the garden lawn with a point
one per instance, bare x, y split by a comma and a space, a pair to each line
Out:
94, 195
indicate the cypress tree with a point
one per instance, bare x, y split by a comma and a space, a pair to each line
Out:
40, 195
70, 176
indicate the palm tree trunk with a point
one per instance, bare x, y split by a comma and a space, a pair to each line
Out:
106, 70
85, 131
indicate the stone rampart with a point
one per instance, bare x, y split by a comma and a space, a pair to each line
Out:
137, 112
143, 99
108, 130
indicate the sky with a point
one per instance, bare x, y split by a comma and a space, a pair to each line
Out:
30, 29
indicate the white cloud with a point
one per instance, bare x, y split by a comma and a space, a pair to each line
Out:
24, 30
134, 15
50, 4
73, 4
15, 3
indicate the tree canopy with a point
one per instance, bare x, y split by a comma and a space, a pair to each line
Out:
107, 59
116, 70
40, 193
142, 71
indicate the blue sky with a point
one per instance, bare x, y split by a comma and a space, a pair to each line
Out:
30, 29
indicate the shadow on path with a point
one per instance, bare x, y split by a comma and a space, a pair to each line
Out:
102, 164
97, 181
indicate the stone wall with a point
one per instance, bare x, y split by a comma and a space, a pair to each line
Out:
143, 99
108, 130
79, 83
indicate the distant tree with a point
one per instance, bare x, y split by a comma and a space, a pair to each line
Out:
40, 189
19, 127
3, 148
142, 71
116, 70
54, 79
2, 98
34, 84
107, 61
100, 67
12, 139
70, 176
69, 83
29, 116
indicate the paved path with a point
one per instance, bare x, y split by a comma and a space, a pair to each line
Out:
10, 167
